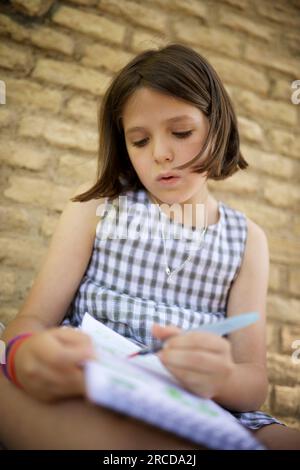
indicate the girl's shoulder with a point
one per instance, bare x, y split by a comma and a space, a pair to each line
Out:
87, 212
257, 237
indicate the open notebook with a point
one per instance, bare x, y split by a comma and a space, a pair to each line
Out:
144, 389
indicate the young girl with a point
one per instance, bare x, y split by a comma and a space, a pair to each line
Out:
167, 126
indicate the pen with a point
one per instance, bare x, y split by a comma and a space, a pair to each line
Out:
220, 328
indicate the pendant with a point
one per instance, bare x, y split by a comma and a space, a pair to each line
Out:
168, 271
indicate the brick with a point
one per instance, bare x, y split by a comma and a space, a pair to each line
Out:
7, 117
284, 250
288, 335
191, 32
275, 275
262, 56
21, 252
77, 169
282, 371
14, 218
90, 24
242, 24
240, 4
241, 182
192, 7
283, 194
48, 38
98, 55
291, 40
7, 284
279, 13
266, 109
33, 7
283, 310
247, 76
142, 40
272, 337
274, 165
71, 75
281, 89
30, 94
38, 192
296, 227
60, 133
260, 213
294, 281
83, 109
285, 142
40, 36
136, 13
250, 130
48, 225
15, 58
7, 314
12, 28
23, 156
89, 3
287, 400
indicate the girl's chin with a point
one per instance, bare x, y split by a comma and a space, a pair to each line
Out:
169, 197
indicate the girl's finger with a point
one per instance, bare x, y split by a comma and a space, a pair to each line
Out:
199, 362
71, 336
199, 340
164, 332
65, 356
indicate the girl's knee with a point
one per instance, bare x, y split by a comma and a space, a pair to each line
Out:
278, 437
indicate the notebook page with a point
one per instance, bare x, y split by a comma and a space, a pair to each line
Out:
149, 392
143, 394
105, 339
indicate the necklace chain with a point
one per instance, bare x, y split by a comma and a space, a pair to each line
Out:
176, 270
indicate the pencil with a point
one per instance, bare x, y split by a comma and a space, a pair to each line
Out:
220, 328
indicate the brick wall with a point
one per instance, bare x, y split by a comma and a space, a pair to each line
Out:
56, 59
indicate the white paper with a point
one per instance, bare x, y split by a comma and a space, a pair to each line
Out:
142, 387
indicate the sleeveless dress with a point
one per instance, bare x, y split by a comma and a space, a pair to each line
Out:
126, 286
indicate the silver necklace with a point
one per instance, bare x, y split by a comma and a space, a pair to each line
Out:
168, 270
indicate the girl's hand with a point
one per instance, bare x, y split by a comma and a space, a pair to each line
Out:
202, 362
48, 364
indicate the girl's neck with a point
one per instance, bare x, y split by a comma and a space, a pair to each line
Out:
204, 210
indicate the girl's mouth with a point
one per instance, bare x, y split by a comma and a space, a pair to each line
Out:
169, 180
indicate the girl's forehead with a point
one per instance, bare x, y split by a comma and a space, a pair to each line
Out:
145, 102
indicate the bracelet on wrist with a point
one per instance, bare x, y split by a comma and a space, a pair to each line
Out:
9, 367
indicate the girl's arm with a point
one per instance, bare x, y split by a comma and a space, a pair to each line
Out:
62, 269
47, 302
248, 387
230, 371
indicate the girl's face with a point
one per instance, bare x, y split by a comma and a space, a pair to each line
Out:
161, 133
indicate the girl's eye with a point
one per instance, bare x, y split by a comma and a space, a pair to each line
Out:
179, 135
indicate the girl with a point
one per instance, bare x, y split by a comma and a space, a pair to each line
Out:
167, 126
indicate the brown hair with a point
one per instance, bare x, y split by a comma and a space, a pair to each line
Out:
181, 72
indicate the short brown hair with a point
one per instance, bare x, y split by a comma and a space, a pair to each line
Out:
181, 72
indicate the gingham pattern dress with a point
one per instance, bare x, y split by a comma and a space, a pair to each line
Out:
126, 286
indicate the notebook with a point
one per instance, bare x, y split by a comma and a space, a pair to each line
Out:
144, 389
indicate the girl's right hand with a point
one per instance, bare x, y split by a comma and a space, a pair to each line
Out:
48, 364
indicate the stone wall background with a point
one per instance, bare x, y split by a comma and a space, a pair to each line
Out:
57, 58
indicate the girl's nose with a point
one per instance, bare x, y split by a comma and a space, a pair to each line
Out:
162, 153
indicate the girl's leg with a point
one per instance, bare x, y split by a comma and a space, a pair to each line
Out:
26, 423
278, 437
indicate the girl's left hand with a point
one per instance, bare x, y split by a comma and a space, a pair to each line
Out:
202, 362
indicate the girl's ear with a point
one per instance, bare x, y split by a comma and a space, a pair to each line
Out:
164, 332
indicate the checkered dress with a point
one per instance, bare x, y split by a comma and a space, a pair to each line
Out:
126, 286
